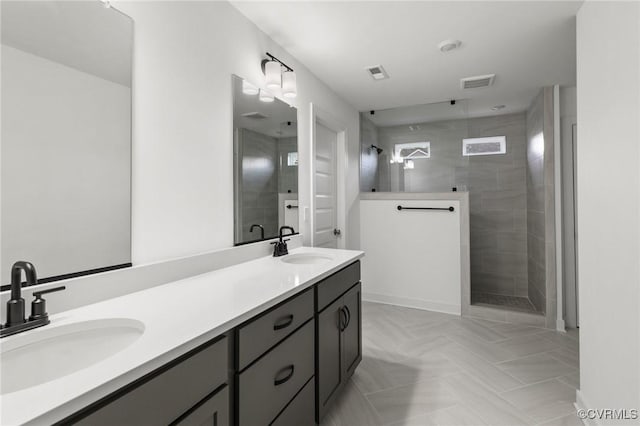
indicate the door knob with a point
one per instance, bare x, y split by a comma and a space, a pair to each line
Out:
337, 232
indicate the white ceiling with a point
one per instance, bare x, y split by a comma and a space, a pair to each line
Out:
527, 45
79, 34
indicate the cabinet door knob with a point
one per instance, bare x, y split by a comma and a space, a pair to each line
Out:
289, 370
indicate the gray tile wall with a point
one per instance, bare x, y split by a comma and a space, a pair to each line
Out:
287, 175
259, 192
497, 190
436, 174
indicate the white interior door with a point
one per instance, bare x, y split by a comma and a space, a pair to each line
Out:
325, 194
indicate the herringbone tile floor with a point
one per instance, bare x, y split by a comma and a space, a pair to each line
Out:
427, 368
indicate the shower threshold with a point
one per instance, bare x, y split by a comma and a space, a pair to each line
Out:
499, 301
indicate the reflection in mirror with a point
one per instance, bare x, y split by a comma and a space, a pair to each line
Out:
265, 150
66, 137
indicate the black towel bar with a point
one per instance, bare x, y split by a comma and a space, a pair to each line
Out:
449, 209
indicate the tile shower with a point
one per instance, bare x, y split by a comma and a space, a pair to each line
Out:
508, 192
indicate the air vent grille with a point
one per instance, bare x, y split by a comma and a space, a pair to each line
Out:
477, 81
377, 72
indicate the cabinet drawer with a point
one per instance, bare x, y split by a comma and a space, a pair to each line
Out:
300, 412
169, 394
266, 387
262, 333
334, 286
212, 412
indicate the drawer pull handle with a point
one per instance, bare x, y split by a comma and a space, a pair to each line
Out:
290, 369
283, 322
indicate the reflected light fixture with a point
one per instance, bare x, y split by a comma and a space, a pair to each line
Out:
276, 79
248, 88
265, 96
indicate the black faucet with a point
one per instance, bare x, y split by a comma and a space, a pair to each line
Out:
255, 225
16, 321
280, 247
15, 305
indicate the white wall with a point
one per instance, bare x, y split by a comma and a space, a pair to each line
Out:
66, 162
413, 258
608, 166
185, 54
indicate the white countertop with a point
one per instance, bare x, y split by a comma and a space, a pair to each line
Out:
178, 317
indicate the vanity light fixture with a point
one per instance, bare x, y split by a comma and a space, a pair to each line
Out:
289, 89
273, 74
249, 89
275, 78
265, 96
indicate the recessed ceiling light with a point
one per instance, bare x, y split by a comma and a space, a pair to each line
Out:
449, 45
498, 107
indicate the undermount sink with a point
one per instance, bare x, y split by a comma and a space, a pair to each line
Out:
306, 259
49, 353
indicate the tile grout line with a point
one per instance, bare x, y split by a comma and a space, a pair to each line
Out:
552, 379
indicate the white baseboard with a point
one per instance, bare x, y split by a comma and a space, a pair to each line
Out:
412, 303
560, 326
581, 405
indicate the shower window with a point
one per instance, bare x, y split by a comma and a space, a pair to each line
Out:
484, 146
292, 159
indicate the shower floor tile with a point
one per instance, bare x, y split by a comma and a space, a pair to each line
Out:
514, 303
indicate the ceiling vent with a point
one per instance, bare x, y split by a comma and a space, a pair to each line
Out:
256, 115
377, 72
477, 81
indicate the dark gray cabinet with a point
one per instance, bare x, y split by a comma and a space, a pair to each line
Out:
266, 387
213, 411
264, 331
352, 332
165, 395
275, 362
301, 411
338, 337
283, 367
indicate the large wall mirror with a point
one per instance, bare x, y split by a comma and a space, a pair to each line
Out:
265, 150
66, 137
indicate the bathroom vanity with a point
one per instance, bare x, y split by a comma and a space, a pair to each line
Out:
270, 341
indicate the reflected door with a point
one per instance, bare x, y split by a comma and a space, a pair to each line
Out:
326, 216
